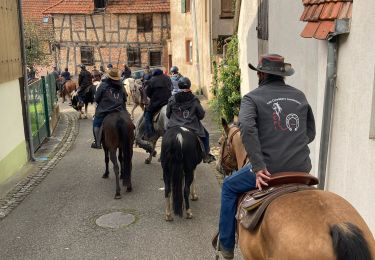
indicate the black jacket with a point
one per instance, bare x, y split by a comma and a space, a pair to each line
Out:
84, 79
185, 109
158, 90
277, 124
110, 97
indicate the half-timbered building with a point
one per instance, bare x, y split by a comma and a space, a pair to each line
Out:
98, 32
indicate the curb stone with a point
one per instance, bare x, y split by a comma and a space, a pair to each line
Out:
14, 197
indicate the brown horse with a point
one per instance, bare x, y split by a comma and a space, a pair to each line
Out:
118, 133
68, 89
133, 90
311, 224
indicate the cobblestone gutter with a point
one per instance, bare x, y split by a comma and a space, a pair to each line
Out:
13, 198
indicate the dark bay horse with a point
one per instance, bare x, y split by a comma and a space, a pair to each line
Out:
180, 155
310, 224
118, 134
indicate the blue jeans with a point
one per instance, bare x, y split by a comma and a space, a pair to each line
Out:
239, 182
149, 128
98, 121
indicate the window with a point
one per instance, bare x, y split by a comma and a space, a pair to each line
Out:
220, 43
226, 9
189, 51
185, 6
134, 57
87, 55
155, 58
100, 3
144, 23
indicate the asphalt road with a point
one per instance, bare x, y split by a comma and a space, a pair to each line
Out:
57, 220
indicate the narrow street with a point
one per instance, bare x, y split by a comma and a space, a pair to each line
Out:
58, 219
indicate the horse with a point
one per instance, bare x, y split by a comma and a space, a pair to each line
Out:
118, 133
133, 90
180, 155
160, 122
310, 224
89, 94
68, 89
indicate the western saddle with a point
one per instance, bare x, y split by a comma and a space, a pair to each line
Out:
253, 204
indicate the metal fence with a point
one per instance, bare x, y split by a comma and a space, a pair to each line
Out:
42, 100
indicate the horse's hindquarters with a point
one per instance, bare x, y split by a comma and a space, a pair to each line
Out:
297, 226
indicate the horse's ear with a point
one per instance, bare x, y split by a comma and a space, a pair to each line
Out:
235, 120
224, 123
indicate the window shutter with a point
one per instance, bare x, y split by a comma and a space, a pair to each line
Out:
155, 58
262, 27
183, 6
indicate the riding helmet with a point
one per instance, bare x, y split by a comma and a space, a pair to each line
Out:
184, 83
174, 69
82, 66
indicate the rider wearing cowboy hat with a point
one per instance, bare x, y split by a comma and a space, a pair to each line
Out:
276, 124
110, 97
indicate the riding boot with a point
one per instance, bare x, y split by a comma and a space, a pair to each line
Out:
98, 137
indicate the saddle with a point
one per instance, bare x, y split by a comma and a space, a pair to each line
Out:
253, 204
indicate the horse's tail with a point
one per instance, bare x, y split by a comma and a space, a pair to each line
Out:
176, 171
126, 144
349, 242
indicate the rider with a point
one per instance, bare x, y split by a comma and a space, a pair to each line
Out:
184, 109
175, 76
126, 73
159, 91
95, 73
110, 97
84, 82
276, 124
66, 76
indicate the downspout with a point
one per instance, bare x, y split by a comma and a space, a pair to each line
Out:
194, 16
341, 26
25, 96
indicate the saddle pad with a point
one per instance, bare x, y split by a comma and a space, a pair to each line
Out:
253, 205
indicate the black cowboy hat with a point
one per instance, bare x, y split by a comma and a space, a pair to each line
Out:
273, 64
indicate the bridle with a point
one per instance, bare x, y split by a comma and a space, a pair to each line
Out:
228, 156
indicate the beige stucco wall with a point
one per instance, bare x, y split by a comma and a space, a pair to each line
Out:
13, 152
209, 26
351, 164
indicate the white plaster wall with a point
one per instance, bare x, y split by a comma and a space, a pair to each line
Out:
12, 131
351, 170
248, 44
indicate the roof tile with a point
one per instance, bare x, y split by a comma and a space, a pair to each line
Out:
321, 16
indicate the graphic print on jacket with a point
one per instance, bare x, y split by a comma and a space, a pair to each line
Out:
282, 121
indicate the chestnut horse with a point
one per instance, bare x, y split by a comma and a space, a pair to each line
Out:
68, 89
311, 224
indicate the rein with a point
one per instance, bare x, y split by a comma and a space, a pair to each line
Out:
228, 157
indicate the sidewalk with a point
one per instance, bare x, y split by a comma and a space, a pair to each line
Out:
17, 187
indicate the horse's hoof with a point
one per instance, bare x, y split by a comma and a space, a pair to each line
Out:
194, 197
129, 189
168, 218
147, 161
154, 153
85, 117
117, 196
189, 215
105, 176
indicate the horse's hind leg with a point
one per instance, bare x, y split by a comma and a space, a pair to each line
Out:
193, 193
127, 181
189, 177
132, 113
167, 194
112, 155
106, 159
85, 115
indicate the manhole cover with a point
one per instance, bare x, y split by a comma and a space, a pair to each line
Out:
115, 220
